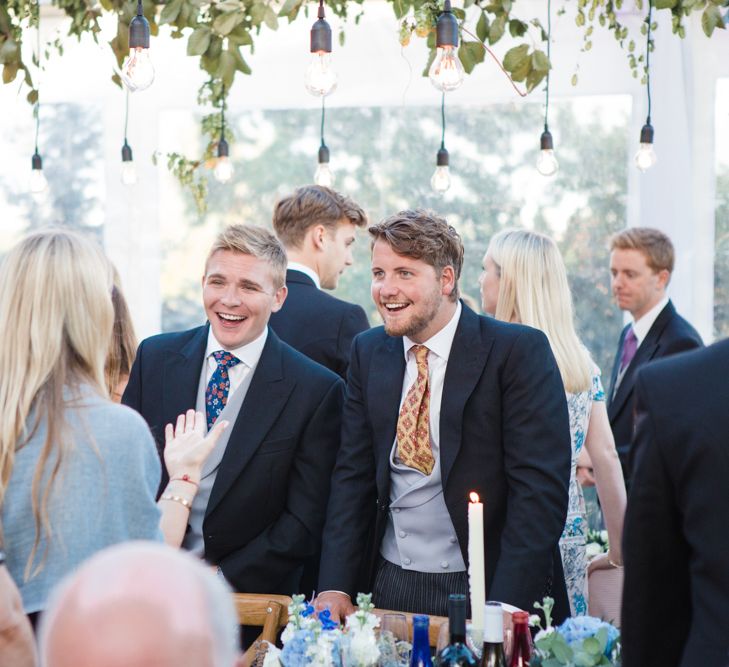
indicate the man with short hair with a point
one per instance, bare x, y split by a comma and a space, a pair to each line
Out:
641, 263
318, 228
675, 609
261, 502
442, 402
138, 604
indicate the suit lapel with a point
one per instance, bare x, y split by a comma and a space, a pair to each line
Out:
645, 352
384, 390
616, 367
466, 361
182, 376
267, 394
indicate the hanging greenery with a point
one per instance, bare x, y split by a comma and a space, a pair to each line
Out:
219, 31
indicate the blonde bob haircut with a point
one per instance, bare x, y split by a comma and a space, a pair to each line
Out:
533, 290
56, 320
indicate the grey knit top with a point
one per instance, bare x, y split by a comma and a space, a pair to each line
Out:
103, 494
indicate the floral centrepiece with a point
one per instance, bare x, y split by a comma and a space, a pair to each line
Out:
581, 641
313, 638
597, 543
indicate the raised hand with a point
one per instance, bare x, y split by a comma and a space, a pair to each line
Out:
187, 446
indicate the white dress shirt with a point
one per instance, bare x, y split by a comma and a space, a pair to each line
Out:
642, 326
307, 271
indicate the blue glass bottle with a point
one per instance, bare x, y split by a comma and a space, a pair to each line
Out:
457, 654
420, 657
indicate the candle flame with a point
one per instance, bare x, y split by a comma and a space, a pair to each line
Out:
474, 497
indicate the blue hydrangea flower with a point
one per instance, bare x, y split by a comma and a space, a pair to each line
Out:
325, 618
294, 651
574, 630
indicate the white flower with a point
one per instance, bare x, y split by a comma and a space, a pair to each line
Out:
604, 536
535, 620
538, 636
271, 659
320, 652
363, 648
593, 549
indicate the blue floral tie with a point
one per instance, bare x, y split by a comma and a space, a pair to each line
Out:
216, 395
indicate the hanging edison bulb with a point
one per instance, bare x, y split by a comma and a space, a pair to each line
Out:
320, 78
137, 71
440, 181
128, 170
646, 157
38, 181
324, 175
223, 171
446, 73
547, 164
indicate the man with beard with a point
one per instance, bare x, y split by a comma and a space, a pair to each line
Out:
441, 402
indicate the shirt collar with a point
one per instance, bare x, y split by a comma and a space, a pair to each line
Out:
307, 271
642, 326
441, 342
249, 354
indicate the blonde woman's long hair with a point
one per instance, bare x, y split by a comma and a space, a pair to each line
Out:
55, 325
123, 346
533, 290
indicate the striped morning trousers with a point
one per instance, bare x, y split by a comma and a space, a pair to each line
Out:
417, 592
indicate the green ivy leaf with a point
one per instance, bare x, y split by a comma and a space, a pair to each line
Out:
10, 71
170, 11
710, 19
515, 56
497, 28
32, 96
271, 19
482, 27
199, 41
240, 64
225, 23
471, 53
290, 9
534, 78
517, 28
400, 8
226, 68
540, 61
562, 651
665, 4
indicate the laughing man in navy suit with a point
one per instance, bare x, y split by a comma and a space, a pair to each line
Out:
440, 402
318, 228
260, 508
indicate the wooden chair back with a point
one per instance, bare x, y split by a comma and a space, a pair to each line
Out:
269, 612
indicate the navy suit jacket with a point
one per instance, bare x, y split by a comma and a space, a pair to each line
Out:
317, 324
268, 503
675, 542
504, 433
669, 334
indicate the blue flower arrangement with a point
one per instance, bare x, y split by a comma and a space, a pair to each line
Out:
582, 641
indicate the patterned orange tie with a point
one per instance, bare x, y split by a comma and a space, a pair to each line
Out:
413, 424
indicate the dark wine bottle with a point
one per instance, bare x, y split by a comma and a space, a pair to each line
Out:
420, 656
457, 652
493, 636
521, 651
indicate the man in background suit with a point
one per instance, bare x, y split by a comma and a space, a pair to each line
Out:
259, 511
441, 402
641, 263
676, 590
318, 227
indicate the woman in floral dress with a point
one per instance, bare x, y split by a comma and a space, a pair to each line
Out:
524, 280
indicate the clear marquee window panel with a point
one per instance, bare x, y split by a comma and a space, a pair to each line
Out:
384, 157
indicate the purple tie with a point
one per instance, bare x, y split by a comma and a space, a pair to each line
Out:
630, 345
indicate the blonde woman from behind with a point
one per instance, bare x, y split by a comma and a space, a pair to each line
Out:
77, 472
524, 280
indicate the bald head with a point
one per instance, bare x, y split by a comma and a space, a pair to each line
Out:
140, 604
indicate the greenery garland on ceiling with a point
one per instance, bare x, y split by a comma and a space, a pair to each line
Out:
218, 30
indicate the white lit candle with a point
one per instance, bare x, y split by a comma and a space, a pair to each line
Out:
476, 567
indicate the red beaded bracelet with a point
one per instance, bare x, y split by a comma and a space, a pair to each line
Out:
184, 478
